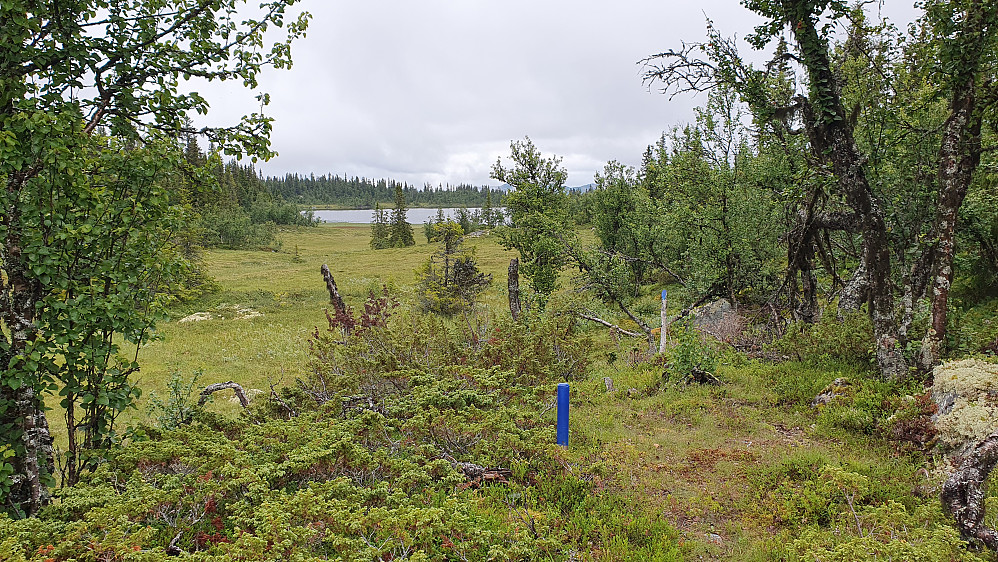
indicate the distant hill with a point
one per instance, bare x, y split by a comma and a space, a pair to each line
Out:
577, 189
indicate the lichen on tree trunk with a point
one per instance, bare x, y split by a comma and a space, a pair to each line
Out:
964, 493
959, 156
22, 415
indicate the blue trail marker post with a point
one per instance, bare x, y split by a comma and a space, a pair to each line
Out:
563, 414
663, 337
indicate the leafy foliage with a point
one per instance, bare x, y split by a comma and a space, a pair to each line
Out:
690, 356
537, 215
845, 340
179, 408
97, 242
87, 219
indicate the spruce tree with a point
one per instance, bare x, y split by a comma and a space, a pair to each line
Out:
379, 229
400, 231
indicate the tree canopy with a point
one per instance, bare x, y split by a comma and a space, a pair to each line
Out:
885, 135
93, 98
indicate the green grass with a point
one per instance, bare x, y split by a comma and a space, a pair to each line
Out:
291, 294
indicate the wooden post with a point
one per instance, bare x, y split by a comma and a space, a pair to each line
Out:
663, 338
514, 288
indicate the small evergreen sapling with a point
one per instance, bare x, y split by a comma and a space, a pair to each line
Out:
450, 280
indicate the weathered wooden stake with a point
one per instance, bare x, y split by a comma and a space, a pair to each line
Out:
663, 337
514, 288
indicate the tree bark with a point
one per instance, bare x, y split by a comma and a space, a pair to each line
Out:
831, 138
959, 156
514, 288
23, 415
964, 493
915, 286
856, 291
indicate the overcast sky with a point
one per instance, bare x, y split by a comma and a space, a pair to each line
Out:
434, 90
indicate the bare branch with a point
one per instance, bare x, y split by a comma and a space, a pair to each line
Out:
680, 71
212, 388
609, 325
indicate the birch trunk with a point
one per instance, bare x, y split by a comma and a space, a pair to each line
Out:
959, 155
831, 138
23, 415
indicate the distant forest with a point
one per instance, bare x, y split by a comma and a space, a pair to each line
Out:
364, 193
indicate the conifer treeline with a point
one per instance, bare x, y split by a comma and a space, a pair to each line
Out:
232, 207
365, 193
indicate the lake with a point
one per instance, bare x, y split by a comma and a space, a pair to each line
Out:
366, 216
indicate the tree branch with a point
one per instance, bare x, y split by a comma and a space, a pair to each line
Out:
609, 325
212, 388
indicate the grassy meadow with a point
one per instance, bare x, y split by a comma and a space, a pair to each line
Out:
287, 289
746, 470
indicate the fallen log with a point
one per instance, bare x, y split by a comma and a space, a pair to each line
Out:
478, 475
609, 325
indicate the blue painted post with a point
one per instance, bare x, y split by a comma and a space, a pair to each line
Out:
663, 337
563, 414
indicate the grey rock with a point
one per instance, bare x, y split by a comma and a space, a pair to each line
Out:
717, 318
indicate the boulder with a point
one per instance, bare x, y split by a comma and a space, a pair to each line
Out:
838, 388
718, 319
965, 394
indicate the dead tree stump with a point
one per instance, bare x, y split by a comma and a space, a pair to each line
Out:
964, 491
334, 294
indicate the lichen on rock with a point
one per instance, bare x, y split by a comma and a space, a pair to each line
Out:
966, 396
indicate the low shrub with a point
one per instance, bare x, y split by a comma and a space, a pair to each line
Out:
849, 340
357, 352
691, 357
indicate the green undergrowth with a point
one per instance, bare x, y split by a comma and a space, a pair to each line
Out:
363, 423
363, 459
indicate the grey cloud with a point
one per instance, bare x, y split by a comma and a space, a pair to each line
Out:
433, 91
